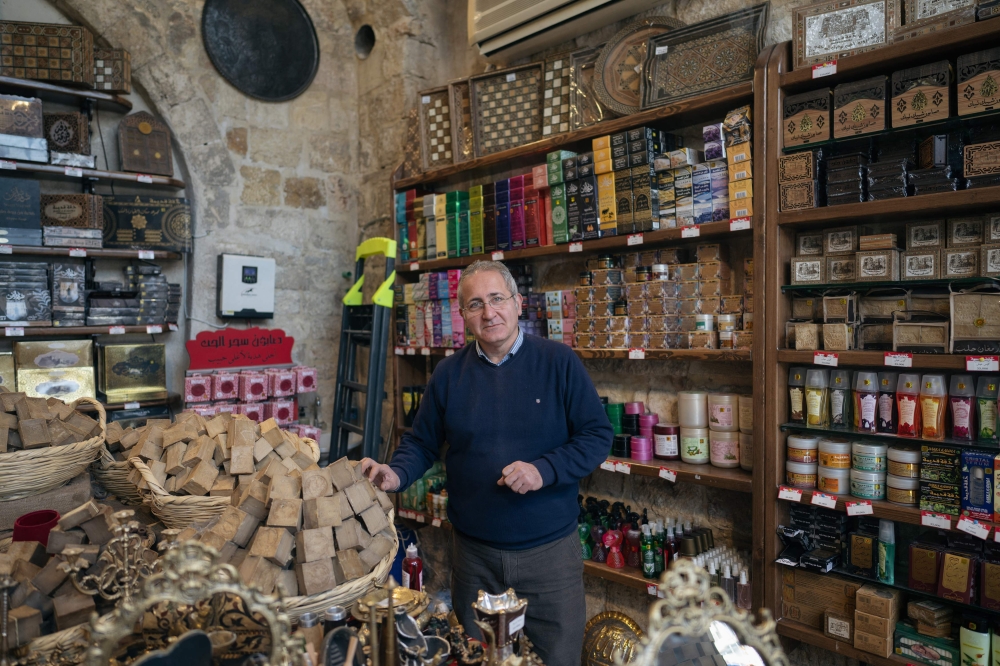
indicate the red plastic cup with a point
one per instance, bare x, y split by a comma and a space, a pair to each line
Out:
35, 526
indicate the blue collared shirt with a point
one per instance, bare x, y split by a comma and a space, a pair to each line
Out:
513, 350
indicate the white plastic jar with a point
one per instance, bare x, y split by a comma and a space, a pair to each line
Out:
692, 409
833, 480
727, 322
695, 445
835, 453
802, 448
746, 414
704, 322
723, 412
868, 485
724, 448
904, 462
902, 490
869, 457
800, 475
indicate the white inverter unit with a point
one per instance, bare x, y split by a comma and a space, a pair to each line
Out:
245, 287
510, 29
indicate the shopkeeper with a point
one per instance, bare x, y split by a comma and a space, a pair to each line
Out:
523, 424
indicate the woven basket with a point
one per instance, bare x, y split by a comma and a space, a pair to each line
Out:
112, 475
35, 471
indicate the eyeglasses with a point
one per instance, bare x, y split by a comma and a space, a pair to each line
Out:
476, 307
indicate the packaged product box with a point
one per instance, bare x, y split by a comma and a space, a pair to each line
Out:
129, 372
879, 601
996, 489
225, 386
806, 597
914, 646
67, 384
977, 484
54, 354
282, 382
198, 388
880, 645
253, 386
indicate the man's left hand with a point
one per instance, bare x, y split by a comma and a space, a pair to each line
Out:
521, 477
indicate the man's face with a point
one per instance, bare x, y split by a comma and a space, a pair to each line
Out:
491, 325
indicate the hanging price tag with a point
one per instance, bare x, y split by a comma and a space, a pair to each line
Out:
634, 239
116, 330
426, 99
6, 249
398, 351
77, 252
859, 508
668, 474
449, 352
790, 494
982, 363
403, 513
826, 358
650, 589
172, 327
425, 351
414, 266
623, 467
143, 178
73, 172
7, 164
739, 224
931, 519
436, 522
410, 351
132, 405
576, 247
660, 50
973, 527
637, 354
153, 329
421, 518
690, 232
14, 332
824, 500
827, 68
608, 465
898, 360
147, 254
511, 77
497, 256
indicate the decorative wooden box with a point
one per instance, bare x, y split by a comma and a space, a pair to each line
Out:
878, 266
960, 262
62, 54
842, 240
21, 116
924, 235
859, 107
147, 223
806, 118
841, 268
982, 159
435, 128
921, 94
798, 196
462, 148
965, 231
144, 145
808, 270
805, 165
920, 265
113, 70
989, 260
67, 132
507, 108
84, 211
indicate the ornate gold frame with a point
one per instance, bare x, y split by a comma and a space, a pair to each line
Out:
691, 606
190, 573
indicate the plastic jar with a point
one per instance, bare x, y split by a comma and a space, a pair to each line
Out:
666, 445
900, 490
641, 448
586, 279
694, 445
692, 409
727, 322
746, 451
723, 412
868, 457
903, 462
643, 274
835, 453
724, 448
833, 480
800, 475
868, 485
634, 408
725, 339
704, 322
746, 413
802, 448
661, 272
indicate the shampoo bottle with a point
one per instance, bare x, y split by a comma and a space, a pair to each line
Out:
886, 552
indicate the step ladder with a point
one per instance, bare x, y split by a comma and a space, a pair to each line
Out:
363, 326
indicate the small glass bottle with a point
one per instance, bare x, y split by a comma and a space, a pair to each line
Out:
887, 414
840, 398
908, 405
933, 397
986, 399
658, 561
633, 558
961, 398
670, 546
727, 583
817, 398
648, 557
413, 569
713, 573
866, 401
744, 593
797, 395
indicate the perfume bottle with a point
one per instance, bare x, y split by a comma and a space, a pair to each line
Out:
658, 561
633, 557
613, 540
648, 558
727, 583
600, 551
583, 530
744, 594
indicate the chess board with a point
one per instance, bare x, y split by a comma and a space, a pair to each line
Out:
461, 121
506, 108
435, 128
40, 51
555, 100
411, 147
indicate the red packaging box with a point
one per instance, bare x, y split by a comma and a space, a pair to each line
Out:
283, 383
207, 411
198, 388
282, 411
253, 386
305, 379
252, 410
225, 386
312, 432
227, 408
540, 177
454, 275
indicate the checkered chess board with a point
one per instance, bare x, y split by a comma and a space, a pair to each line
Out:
507, 108
435, 117
51, 53
555, 103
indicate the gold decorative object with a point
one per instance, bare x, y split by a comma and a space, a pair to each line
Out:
7, 584
125, 562
610, 633
191, 573
693, 614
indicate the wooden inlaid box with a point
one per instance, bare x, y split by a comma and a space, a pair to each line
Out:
977, 81
144, 145
965, 232
809, 244
435, 128
798, 196
62, 54
878, 266
859, 107
989, 260
67, 132
113, 70
982, 159
842, 240
462, 148
841, 268
960, 262
84, 211
805, 165
923, 264
507, 108
921, 94
21, 116
806, 118
923, 235
811, 270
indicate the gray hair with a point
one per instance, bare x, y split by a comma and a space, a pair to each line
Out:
483, 266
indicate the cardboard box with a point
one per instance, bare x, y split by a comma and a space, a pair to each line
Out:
838, 626
879, 601
977, 484
879, 645
913, 646
873, 625
806, 597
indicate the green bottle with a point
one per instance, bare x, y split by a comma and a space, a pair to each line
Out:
658, 549
886, 552
648, 557
583, 530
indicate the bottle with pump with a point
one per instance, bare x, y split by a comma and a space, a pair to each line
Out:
986, 399
866, 401
744, 593
658, 561
886, 552
933, 405
648, 557
908, 405
727, 583
974, 640
796, 394
961, 400
713, 573
413, 569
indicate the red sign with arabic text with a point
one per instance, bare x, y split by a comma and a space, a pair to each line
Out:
236, 347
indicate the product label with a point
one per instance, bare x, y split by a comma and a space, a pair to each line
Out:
825, 358
791, 494
668, 474
694, 447
973, 527
814, 403
867, 490
835, 460
724, 452
826, 501
898, 360
746, 417
861, 508
868, 404
930, 519
796, 398
960, 410
665, 445
869, 462
901, 495
907, 412
987, 419
929, 408
885, 402
801, 455
800, 480
837, 402
722, 416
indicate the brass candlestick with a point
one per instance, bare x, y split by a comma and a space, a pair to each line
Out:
6, 585
124, 567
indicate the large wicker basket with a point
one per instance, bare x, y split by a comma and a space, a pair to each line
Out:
35, 471
113, 477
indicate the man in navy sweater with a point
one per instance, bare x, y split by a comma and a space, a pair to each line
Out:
523, 424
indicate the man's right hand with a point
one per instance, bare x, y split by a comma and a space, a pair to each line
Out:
381, 475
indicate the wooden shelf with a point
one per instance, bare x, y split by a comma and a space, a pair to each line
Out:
703, 475
171, 399
707, 231
53, 331
693, 110
811, 636
422, 518
886, 438
49, 90
106, 253
723, 355
52, 170
942, 204
877, 358
625, 576
941, 286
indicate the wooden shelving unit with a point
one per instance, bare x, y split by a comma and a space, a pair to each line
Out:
627, 576
171, 399
954, 362
886, 438
71, 173
801, 632
103, 253
717, 355
702, 475
65, 331
26, 87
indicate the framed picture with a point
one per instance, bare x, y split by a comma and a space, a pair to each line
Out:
922, 10
839, 28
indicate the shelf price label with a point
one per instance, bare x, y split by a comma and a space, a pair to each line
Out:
147, 254
14, 332
152, 329
143, 178
623, 467
414, 265
421, 518
608, 465
436, 522
668, 474
410, 351
637, 354
131, 405
172, 327
425, 351
398, 351
73, 172
116, 330
898, 360
449, 352
634, 239
77, 252
650, 589
497, 256
982, 363
826, 358
973, 527
7, 164
576, 247
931, 519
6, 249
739, 224
691, 231
790, 494
828, 68
859, 508
824, 500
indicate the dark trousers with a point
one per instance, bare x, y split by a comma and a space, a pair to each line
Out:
550, 577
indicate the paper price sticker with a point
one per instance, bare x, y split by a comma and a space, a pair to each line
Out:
73, 172
690, 232
436, 522
790, 494
516, 624
398, 351
425, 351
147, 254
898, 360
608, 465
143, 178
859, 508
152, 329
660, 50
497, 256
426, 99
7, 164
414, 266
77, 252
634, 239
822, 69
6, 249
132, 405
116, 330
824, 500
623, 467
637, 354
668, 474
931, 519
739, 224
14, 332
973, 527
410, 351
650, 590
421, 518
825, 358
511, 77
982, 363
403, 513
638, 68
172, 327
449, 352
576, 247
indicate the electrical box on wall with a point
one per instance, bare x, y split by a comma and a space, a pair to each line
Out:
245, 287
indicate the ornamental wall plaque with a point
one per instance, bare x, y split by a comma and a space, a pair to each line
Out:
835, 29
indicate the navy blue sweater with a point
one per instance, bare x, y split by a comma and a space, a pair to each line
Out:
539, 407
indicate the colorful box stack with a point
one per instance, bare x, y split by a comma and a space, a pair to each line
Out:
427, 313
560, 314
259, 394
